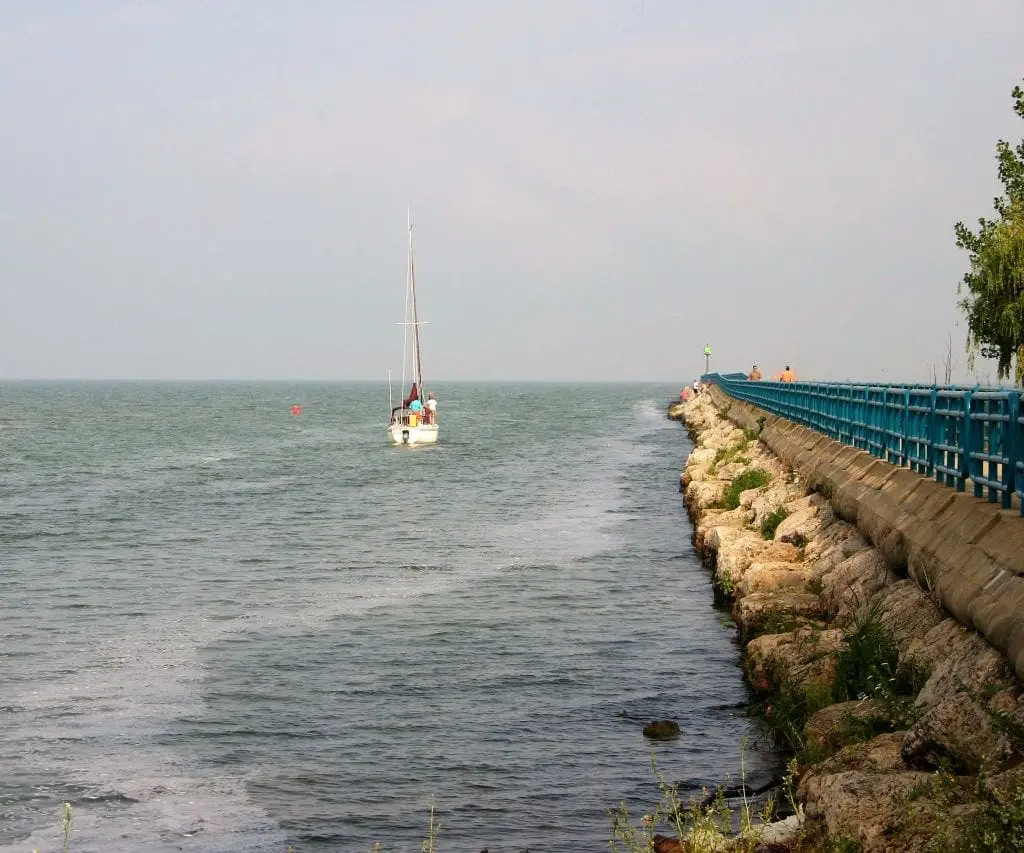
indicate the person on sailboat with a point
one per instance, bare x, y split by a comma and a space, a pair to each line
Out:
431, 407
415, 411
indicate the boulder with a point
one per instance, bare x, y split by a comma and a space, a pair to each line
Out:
883, 754
825, 726
958, 729
661, 730
806, 520
735, 552
847, 590
835, 541
773, 576
702, 494
804, 656
709, 520
778, 492
959, 661
754, 611
865, 807
906, 612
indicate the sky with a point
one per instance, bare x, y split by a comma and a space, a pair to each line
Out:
599, 188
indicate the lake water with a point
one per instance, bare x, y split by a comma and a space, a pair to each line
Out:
227, 628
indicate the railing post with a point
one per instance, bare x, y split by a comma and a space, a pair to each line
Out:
965, 446
905, 438
866, 419
1011, 449
932, 433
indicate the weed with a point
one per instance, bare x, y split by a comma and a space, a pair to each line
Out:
724, 585
911, 675
853, 729
433, 828
774, 622
772, 521
732, 453
815, 586
844, 844
998, 823
867, 666
787, 711
65, 825
755, 478
703, 825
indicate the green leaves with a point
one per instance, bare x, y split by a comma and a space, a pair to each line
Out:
993, 288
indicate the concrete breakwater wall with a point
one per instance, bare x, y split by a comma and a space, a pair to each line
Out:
883, 626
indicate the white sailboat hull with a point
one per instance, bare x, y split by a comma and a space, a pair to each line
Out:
411, 436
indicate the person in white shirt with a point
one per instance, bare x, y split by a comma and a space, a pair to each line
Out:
432, 406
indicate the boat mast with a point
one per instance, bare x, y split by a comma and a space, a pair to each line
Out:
405, 316
418, 365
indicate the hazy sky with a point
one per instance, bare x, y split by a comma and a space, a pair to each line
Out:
599, 187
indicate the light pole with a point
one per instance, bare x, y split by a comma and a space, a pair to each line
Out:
707, 359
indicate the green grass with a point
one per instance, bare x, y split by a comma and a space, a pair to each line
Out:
788, 709
774, 622
772, 521
867, 667
755, 478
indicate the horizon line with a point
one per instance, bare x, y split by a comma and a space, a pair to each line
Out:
23, 379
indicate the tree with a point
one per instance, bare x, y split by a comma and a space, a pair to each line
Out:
993, 288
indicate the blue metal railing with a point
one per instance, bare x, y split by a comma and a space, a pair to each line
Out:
956, 435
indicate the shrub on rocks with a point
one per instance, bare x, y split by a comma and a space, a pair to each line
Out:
754, 478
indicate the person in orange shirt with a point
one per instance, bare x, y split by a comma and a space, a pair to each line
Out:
755, 374
787, 375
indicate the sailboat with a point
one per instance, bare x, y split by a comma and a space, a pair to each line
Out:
414, 422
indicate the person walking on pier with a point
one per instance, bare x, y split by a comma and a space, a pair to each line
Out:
787, 375
755, 374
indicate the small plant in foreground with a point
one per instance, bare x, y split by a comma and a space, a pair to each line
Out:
705, 825
65, 825
772, 521
433, 828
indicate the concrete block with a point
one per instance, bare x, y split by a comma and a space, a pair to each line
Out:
846, 499
996, 611
875, 475
1004, 541
967, 517
810, 452
929, 498
900, 485
815, 469
965, 581
879, 519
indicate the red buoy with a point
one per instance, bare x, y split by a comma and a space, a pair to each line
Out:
296, 409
